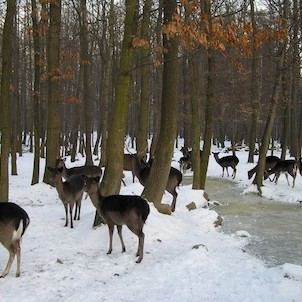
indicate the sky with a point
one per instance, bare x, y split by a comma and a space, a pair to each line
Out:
186, 258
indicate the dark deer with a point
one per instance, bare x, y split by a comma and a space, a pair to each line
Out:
270, 163
87, 170
119, 210
13, 223
70, 192
185, 163
227, 161
142, 169
289, 166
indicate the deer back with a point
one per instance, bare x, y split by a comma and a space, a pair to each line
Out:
121, 209
68, 190
12, 214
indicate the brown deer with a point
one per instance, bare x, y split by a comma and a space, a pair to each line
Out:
88, 170
142, 169
227, 161
289, 166
119, 210
128, 165
270, 163
70, 192
13, 223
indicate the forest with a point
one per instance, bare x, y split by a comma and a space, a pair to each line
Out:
82, 76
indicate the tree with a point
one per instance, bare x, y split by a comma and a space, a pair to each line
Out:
53, 76
210, 98
111, 181
36, 91
145, 80
273, 102
160, 169
254, 87
85, 63
7, 47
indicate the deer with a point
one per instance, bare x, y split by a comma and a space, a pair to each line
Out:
13, 223
142, 169
119, 210
289, 166
88, 170
185, 163
127, 165
70, 192
227, 161
270, 163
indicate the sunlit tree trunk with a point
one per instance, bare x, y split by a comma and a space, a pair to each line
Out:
115, 147
162, 156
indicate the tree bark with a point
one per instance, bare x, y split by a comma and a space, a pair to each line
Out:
160, 169
53, 123
273, 104
36, 93
143, 121
115, 147
254, 88
85, 64
7, 45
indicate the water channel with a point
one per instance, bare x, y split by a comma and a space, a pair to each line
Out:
275, 227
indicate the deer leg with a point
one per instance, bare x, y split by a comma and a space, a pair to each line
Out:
70, 214
17, 250
9, 262
293, 174
78, 209
234, 172
75, 211
141, 238
119, 230
286, 175
111, 229
66, 214
173, 205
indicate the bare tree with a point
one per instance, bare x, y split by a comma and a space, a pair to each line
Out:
7, 46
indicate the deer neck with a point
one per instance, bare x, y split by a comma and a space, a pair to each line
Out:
59, 185
96, 199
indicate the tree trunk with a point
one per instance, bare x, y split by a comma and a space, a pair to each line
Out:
115, 146
160, 169
254, 89
85, 81
36, 93
7, 45
195, 123
273, 105
53, 123
145, 82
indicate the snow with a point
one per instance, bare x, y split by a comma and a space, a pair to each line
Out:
185, 259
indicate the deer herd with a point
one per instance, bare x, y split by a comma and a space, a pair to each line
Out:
117, 210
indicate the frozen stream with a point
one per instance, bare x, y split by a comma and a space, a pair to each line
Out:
275, 227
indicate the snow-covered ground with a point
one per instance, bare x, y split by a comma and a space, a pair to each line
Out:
186, 258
